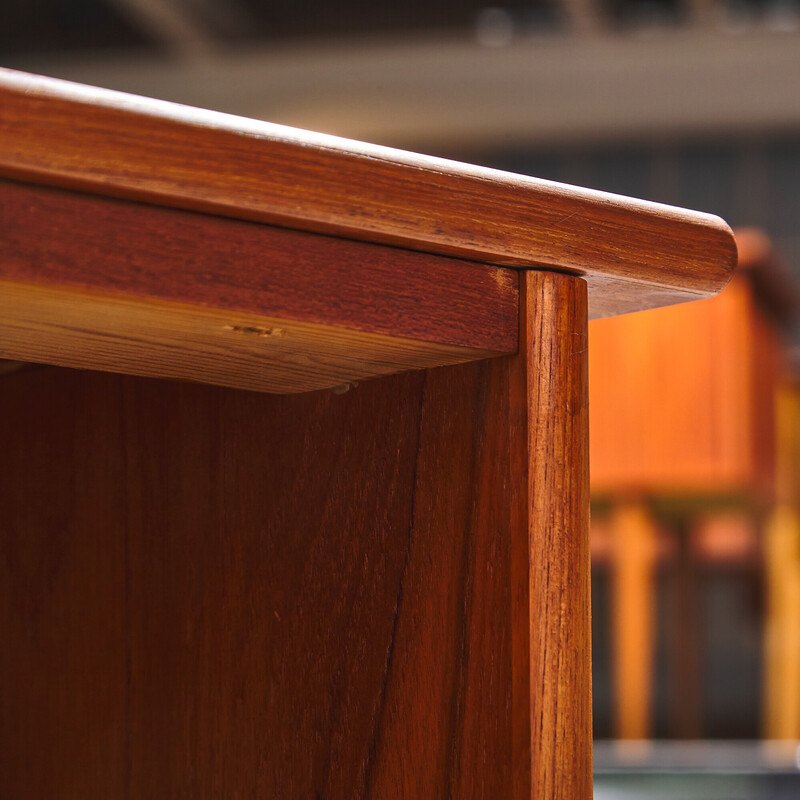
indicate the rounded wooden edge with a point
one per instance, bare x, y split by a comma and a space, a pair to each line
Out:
118, 144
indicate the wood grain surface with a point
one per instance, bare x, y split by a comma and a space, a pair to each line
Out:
63, 652
633, 254
382, 594
211, 593
555, 340
114, 285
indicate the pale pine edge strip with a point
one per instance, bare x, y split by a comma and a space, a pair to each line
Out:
86, 330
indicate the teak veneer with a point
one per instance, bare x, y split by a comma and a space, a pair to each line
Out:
377, 593
632, 253
170, 293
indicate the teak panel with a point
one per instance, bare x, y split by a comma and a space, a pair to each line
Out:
211, 593
633, 254
63, 617
379, 594
95, 282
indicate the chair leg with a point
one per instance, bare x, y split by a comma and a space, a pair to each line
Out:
633, 609
782, 628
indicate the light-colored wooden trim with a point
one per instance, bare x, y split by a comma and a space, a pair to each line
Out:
135, 336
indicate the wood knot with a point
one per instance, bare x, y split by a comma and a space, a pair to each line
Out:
256, 331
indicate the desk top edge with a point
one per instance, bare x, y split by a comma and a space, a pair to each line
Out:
118, 144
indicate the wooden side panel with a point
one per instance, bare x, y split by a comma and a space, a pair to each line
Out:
63, 653
380, 594
211, 593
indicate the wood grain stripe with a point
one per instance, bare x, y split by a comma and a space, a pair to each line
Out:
555, 331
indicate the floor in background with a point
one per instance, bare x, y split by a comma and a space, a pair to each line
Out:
694, 770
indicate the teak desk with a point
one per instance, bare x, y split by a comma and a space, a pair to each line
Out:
381, 592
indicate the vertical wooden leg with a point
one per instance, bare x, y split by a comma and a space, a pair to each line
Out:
792, 654
633, 620
782, 626
782, 577
555, 338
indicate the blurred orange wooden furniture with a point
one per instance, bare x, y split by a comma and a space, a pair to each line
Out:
781, 549
685, 419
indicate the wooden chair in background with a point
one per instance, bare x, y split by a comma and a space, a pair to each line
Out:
685, 425
781, 719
